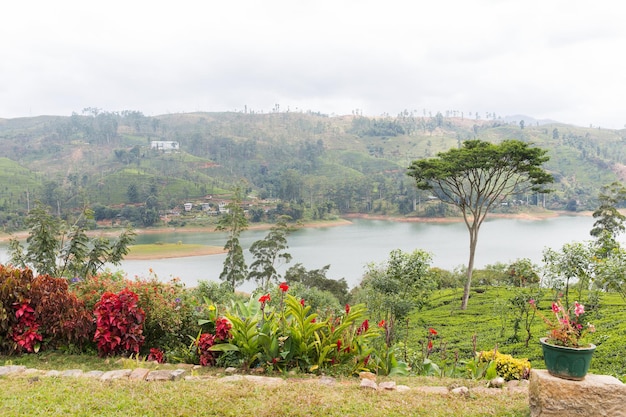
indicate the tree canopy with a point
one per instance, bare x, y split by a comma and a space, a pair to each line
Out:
477, 176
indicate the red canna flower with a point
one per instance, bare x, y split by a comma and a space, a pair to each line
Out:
430, 344
381, 323
284, 287
347, 308
338, 345
302, 302
432, 331
264, 298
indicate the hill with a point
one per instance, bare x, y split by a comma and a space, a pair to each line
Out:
315, 165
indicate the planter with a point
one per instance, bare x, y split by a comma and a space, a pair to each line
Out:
567, 362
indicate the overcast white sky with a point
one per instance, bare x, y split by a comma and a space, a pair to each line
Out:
556, 59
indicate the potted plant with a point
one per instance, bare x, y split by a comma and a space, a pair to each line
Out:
566, 352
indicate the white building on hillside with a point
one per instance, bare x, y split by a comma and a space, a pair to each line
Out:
165, 145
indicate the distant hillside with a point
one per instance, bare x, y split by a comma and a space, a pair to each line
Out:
314, 164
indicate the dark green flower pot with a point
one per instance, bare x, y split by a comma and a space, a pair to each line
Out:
566, 362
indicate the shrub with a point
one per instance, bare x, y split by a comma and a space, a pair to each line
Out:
170, 316
25, 332
14, 289
119, 323
507, 366
40, 312
170, 312
63, 317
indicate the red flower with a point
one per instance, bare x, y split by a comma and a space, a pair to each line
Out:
430, 344
364, 327
555, 308
381, 323
338, 345
302, 302
284, 287
432, 331
347, 308
264, 298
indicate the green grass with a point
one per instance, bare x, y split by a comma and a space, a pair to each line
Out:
490, 318
170, 249
299, 396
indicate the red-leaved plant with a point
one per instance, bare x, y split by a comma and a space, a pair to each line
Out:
25, 331
119, 323
206, 340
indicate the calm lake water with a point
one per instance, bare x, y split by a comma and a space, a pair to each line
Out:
348, 249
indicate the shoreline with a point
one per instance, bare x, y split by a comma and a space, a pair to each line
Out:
344, 221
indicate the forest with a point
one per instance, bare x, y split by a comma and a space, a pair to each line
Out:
305, 165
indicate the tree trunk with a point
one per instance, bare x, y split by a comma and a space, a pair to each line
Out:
473, 232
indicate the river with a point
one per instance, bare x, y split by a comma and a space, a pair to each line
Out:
349, 248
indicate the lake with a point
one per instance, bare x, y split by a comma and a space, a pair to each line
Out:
349, 248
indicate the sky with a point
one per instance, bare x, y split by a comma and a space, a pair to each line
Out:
562, 60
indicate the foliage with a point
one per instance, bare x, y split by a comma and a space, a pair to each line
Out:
214, 292
395, 287
284, 334
506, 366
609, 221
476, 177
234, 222
25, 332
65, 321
170, 312
573, 264
40, 312
14, 289
565, 330
522, 273
119, 322
267, 252
610, 271
316, 279
523, 312
53, 249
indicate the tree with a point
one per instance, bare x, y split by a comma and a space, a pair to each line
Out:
574, 264
59, 251
316, 278
609, 221
476, 177
397, 286
234, 222
267, 251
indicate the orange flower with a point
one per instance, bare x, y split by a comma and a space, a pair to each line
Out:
432, 331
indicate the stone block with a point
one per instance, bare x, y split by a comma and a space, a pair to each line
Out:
596, 395
11, 369
72, 373
118, 374
139, 374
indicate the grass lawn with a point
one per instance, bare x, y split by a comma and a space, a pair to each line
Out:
170, 250
45, 396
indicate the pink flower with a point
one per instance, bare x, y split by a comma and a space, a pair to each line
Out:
531, 302
555, 308
579, 309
